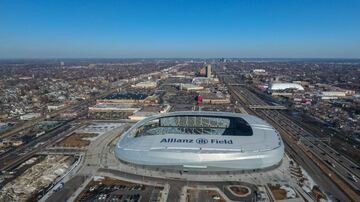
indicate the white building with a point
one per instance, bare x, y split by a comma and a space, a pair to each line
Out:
190, 87
258, 71
30, 116
145, 84
333, 94
285, 86
54, 107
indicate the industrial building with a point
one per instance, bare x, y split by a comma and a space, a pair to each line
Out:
208, 71
205, 80
147, 111
145, 84
215, 98
285, 86
284, 89
333, 94
128, 98
202, 141
258, 71
29, 116
189, 87
113, 108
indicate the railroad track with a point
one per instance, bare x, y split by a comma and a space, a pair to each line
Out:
333, 174
323, 148
341, 179
319, 152
292, 126
17, 161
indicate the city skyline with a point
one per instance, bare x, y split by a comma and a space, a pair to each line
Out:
179, 29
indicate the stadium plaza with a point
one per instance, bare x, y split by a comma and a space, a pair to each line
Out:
102, 161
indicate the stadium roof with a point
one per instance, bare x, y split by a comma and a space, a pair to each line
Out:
202, 138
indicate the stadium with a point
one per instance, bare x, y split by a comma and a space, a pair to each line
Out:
205, 141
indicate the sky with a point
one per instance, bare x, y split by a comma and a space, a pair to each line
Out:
174, 28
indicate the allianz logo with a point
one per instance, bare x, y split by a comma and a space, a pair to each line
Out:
198, 141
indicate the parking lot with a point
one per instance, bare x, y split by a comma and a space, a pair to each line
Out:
98, 128
116, 190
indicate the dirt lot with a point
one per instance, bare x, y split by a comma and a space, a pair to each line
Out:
77, 140
278, 193
239, 190
194, 195
316, 192
215, 193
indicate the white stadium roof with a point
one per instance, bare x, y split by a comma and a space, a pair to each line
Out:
209, 140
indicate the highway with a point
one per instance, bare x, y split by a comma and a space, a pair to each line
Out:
339, 163
295, 137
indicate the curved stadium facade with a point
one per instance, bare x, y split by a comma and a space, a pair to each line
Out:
211, 141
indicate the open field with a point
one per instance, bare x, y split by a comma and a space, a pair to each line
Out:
279, 194
77, 140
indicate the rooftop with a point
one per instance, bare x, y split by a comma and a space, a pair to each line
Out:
132, 96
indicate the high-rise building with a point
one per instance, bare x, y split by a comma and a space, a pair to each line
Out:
208, 71
202, 71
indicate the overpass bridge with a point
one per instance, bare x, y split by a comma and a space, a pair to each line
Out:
63, 151
275, 107
236, 84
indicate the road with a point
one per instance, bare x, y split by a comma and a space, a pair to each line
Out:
341, 165
96, 162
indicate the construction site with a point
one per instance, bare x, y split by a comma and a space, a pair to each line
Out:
35, 181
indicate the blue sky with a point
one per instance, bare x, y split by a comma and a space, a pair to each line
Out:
154, 28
